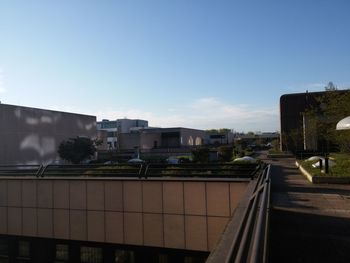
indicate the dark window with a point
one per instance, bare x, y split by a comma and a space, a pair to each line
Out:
217, 136
91, 255
23, 251
62, 253
123, 256
4, 250
111, 134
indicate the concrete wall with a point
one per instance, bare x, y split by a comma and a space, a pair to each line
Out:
191, 137
161, 213
148, 139
32, 136
128, 141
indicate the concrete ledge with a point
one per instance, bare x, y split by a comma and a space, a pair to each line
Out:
322, 179
308, 176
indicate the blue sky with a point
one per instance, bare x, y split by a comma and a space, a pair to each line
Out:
191, 63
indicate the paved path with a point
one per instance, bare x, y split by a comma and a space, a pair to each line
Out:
291, 190
309, 223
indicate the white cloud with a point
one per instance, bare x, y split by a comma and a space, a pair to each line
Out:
203, 113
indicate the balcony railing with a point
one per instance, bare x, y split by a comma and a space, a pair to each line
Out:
229, 170
245, 237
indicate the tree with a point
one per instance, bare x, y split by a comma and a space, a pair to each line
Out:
330, 87
225, 153
201, 155
77, 149
332, 106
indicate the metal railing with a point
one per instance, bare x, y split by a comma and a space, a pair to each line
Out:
203, 170
246, 237
19, 170
135, 170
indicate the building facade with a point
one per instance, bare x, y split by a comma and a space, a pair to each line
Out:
32, 136
162, 138
120, 126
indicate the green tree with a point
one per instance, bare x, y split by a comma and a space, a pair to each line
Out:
332, 106
225, 153
201, 155
75, 150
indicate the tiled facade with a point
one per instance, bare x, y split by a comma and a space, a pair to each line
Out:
178, 214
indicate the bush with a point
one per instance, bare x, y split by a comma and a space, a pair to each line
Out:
201, 155
76, 150
225, 153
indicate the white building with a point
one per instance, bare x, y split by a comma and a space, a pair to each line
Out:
119, 126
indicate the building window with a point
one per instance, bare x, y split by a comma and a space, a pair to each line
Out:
62, 253
162, 258
123, 256
23, 251
91, 255
4, 250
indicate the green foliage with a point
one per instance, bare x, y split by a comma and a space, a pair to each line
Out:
340, 169
75, 150
275, 144
225, 153
331, 108
201, 155
221, 130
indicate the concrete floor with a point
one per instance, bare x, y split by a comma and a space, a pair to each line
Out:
309, 223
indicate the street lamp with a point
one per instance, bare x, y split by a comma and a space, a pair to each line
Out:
344, 124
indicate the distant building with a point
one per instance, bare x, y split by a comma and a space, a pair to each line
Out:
258, 135
162, 138
119, 126
32, 136
217, 137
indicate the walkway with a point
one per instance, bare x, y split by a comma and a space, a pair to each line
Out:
309, 223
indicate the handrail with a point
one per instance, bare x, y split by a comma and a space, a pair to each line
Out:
134, 170
245, 237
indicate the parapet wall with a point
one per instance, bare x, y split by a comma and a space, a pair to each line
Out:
170, 213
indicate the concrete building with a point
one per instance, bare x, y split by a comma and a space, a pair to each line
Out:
32, 136
162, 138
120, 126
218, 137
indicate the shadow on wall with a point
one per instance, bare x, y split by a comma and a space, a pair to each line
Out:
32, 136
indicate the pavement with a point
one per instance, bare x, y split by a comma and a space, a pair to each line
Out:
309, 222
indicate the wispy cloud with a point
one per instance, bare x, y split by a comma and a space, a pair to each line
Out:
204, 113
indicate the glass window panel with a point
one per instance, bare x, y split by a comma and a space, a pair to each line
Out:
91, 255
23, 249
3, 247
123, 256
62, 252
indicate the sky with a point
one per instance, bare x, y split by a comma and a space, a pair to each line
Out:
177, 63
